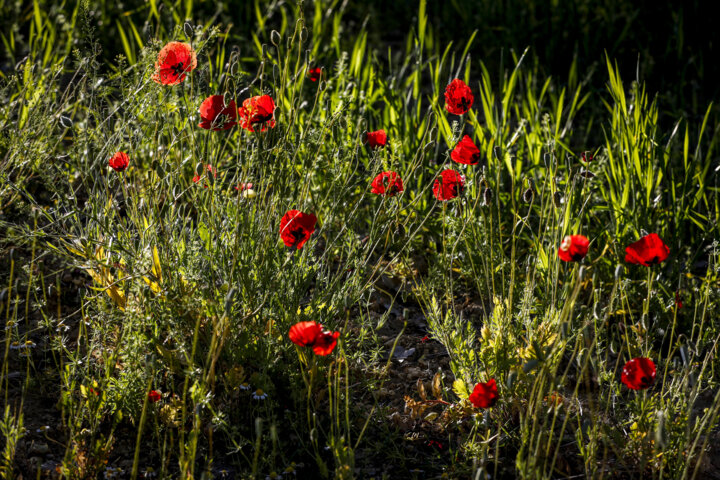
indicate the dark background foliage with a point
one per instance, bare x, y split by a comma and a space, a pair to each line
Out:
672, 44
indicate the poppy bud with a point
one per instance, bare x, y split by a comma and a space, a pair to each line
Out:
557, 199
275, 37
660, 428
303, 34
188, 29
587, 156
487, 197
229, 300
528, 195
66, 122
618, 271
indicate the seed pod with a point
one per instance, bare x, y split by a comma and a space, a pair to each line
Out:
303, 34
229, 300
487, 197
528, 195
660, 429
188, 29
557, 199
512, 376
275, 37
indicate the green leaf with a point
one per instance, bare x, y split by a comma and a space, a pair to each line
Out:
460, 389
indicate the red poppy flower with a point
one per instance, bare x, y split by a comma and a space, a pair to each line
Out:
466, 152
484, 395
573, 248
174, 62
314, 74
325, 343
678, 301
647, 251
377, 138
586, 156
296, 228
119, 161
311, 334
448, 185
211, 171
387, 183
258, 110
244, 186
458, 97
638, 373
215, 115
304, 334
154, 396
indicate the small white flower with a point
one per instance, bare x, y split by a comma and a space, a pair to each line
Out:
111, 472
245, 386
273, 476
149, 473
259, 394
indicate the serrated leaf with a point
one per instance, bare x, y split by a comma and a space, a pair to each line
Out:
460, 389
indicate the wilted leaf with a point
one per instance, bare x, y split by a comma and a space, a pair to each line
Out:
436, 386
421, 389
